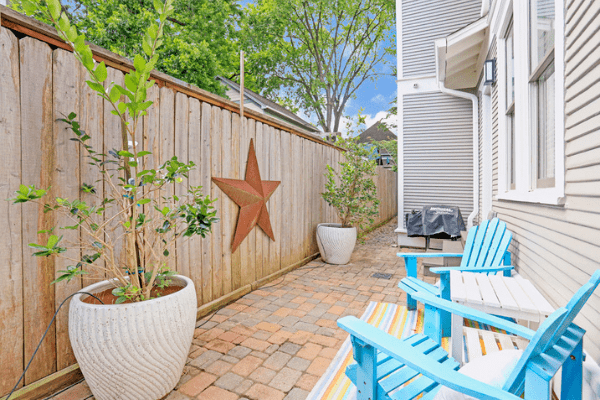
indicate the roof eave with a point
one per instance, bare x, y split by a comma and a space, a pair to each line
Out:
460, 56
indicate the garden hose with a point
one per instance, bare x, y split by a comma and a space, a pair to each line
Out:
43, 336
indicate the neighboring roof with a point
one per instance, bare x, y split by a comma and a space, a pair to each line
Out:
274, 108
376, 132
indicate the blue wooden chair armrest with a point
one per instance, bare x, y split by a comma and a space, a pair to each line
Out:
429, 255
434, 304
370, 339
410, 262
441, 270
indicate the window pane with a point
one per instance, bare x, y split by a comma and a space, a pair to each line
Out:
511, 152
545, 134
541, 34
510, 67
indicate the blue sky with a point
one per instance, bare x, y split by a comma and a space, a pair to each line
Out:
373, 97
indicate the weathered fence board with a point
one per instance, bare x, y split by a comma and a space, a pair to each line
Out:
216, 238
38, 272
263, 162
236, 259
227, 204
195, 179
112, 140
66, 181
252, 274
11, 268
275, 203
211, 135
91, 116
182, 146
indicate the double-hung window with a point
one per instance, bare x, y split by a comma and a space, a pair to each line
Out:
531, 101
510, 106
543, 87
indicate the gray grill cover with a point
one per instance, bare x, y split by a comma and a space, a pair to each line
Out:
439, 222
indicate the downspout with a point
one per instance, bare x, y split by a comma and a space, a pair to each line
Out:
441, 76
475, 100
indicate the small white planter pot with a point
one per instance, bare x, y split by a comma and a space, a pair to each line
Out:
336, 244
133, 351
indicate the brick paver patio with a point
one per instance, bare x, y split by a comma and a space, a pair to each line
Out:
274, 343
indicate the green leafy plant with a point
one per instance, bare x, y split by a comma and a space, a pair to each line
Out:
352, 191
137, 215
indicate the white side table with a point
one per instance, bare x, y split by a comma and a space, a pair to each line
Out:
513, 297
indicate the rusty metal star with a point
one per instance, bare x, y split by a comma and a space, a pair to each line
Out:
251, 195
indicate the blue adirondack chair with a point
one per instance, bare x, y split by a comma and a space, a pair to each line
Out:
486, 251
385, 363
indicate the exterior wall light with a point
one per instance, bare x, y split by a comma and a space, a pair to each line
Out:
489, 72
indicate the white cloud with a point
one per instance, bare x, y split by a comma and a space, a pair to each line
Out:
380, 116
378, 99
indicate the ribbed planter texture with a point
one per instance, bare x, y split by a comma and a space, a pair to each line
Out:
133, 351
336, 244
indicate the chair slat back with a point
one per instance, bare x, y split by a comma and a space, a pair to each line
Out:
469, 246
515, 383
494, 245
490, 234
575, 305
551, 331
478, 243
503, 244
486, 244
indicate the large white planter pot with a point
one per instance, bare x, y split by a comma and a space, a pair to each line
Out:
336, 244
133, 351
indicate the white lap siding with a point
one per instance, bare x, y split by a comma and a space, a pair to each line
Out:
423, 21
438, 151
558, 247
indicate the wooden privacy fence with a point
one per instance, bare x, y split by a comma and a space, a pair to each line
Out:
39, 82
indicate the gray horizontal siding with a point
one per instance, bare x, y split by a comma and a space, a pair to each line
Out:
480, 129
425, 21
438, 151
493, 53
558, 248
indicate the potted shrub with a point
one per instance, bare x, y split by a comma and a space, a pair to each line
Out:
135, 345
352, 193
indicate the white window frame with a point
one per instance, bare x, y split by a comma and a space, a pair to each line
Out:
525, 190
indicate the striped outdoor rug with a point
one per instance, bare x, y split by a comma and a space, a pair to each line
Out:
391, 318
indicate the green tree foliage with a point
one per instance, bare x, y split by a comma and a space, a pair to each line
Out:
352, 191
317, 53
200, 37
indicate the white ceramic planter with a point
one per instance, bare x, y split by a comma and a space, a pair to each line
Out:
336, 244
133, 351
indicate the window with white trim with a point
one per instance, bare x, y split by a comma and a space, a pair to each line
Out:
510, 106
531, 101
542, 81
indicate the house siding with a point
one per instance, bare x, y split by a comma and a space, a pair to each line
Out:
426, 20
493, 54
479, 217
438, 151
558, 248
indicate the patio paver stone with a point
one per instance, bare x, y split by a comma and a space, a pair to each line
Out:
274, 343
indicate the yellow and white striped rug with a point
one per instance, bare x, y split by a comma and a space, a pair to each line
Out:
391, 318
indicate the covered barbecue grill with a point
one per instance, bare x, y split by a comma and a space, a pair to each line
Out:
438, 222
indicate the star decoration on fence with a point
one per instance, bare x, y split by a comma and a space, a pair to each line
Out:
251, 195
